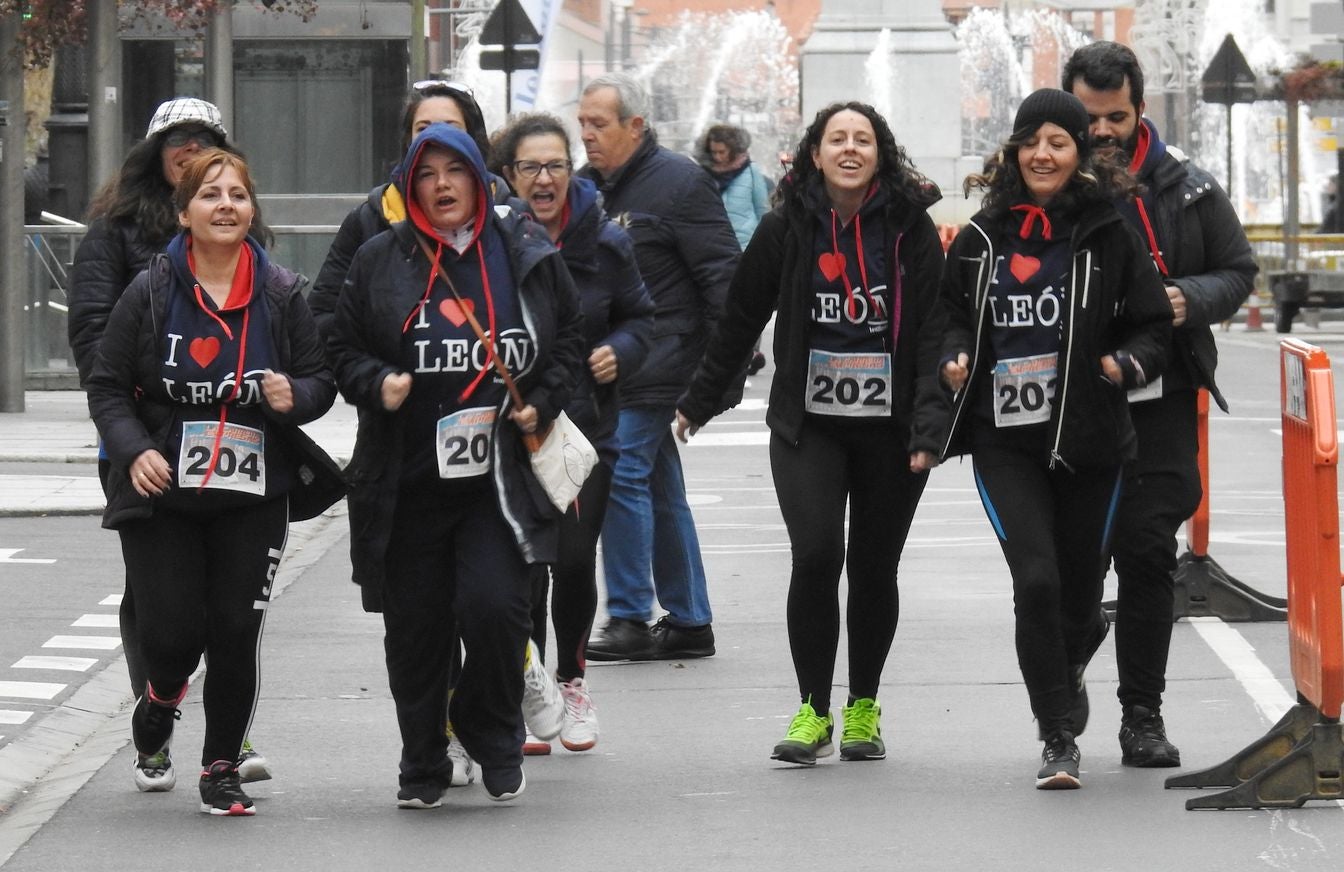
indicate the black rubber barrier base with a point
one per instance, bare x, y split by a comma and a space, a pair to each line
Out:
1310, 769
1203, 589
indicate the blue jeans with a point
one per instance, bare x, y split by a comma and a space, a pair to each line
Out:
649, 542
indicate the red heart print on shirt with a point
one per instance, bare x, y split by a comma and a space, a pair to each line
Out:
832, 265
203, 351
1023, 267
455, 313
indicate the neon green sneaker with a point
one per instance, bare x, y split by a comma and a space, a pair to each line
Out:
809, 737
861, 738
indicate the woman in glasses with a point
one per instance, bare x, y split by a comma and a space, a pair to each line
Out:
130, 220
534, 155
450, 515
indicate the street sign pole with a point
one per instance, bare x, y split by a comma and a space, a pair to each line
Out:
12, 273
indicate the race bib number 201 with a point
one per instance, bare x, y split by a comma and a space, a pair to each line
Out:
849, 385
239, 462
1024, 388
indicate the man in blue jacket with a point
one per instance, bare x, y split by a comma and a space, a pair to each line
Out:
686, 252
1198, 244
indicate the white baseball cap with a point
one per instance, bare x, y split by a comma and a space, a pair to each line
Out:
186, 110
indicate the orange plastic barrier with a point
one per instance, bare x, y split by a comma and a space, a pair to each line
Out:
1311, 518
1197, 527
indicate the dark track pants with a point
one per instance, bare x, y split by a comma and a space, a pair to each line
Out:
454, 569
1161, 493
1053, 527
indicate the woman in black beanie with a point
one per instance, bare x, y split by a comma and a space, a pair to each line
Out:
1052, 310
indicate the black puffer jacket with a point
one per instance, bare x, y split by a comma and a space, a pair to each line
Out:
126, 395
687, 253
110, 255
617, 309
385, 282
1116, 301
776, 270
1208, 257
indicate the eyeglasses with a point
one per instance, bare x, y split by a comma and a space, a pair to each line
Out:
178, 137
530, 169
426, 86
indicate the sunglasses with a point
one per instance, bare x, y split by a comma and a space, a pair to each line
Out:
179, 137
530, 169
428, 86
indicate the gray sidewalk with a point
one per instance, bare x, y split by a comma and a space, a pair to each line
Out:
55, 428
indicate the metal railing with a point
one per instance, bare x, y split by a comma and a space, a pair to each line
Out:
49, 252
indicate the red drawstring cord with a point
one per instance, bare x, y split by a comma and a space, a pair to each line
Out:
844, 273
1032, 213
237, 380
489, 307
1152, 237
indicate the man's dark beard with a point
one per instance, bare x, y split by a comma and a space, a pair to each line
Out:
1124, 151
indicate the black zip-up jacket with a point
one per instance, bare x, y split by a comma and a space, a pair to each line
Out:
1208, 257
1116, 302
776, 270
617, 309
384, 284
127, 399
686, 251
111, 254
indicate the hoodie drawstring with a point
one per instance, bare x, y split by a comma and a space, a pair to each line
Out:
489, 305
844, 272
237, 380
1031, 213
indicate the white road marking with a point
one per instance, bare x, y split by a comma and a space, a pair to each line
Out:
66, 664
7, 556
93, 643
30, 689
1266, 691
111, 600
104, 622
10, 716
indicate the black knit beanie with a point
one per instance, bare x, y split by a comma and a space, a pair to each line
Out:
1057, 107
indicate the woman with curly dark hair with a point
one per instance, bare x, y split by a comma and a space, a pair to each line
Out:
851, 259
1050, 309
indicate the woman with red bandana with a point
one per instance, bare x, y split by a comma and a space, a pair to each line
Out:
851, 259
455, 517
1050, 309
208, 358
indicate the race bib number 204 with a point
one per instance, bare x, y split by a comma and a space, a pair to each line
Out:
239, 462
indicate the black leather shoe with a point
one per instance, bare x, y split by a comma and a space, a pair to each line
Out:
621, 639
673, 642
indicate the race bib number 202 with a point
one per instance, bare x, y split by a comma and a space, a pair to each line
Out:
1024, 389
849, 385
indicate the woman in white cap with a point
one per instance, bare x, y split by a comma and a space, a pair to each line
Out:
131, 219
1050, 309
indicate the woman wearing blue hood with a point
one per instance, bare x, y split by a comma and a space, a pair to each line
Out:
209, 362
453, 517
534, 155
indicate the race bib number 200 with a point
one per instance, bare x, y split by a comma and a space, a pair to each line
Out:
1024, 388
850, 385
239, 462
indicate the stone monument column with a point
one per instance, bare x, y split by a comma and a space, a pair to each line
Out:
923, 79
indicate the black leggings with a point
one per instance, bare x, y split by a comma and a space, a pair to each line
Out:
574, 602
1053, 526
866, 466
130, 636
202, 584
